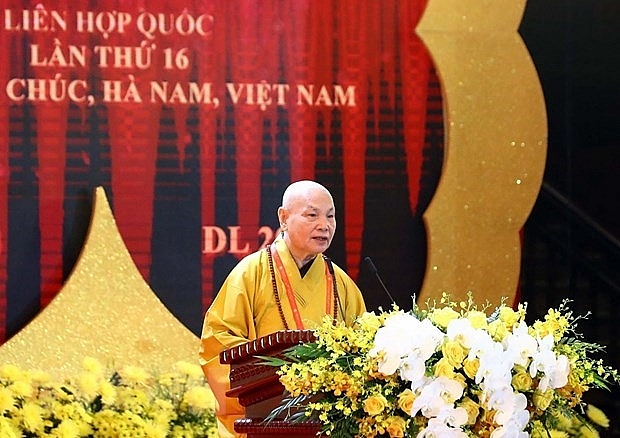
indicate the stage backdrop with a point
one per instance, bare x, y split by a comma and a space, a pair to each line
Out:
195, 116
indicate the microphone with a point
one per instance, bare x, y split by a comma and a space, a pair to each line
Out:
375, 271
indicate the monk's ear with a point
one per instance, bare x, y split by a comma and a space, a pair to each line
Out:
282, 215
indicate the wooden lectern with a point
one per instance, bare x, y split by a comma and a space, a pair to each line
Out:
258, 387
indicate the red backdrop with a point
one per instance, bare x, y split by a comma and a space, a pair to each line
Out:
195, 116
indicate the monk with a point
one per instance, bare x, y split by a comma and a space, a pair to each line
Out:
307, 286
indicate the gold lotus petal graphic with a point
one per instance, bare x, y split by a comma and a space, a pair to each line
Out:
104, 310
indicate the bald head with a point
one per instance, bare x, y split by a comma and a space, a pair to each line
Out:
302, 190
307, 219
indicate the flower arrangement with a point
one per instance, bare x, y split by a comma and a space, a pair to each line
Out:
129, 402
450, 370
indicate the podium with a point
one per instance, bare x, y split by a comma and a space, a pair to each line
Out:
258, 388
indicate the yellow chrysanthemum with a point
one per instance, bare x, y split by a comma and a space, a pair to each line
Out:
369, 322
192, 370
553, 433
93, 366
8, 429
586, 431
21, 388
134, 375
154, 430
107, 392
32, 417
40, 377
597, 416
11, 372
88, 385
66, 429
199, 398
7, 401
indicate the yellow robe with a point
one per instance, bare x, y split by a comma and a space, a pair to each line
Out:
245, 309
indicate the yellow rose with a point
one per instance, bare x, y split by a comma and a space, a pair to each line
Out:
442, 317
508, 316
443, 367
454, 352
542, 400
498, 330
470, 366
472, 409
375, 404
522, 381
396, 427
405, 400
477, 319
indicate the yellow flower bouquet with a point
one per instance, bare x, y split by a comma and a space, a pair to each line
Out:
129, 402
450, 370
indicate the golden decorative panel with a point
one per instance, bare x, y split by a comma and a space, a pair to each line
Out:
496, 144
104, 310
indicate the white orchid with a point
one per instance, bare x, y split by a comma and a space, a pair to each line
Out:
402, 342
461, 330
437, 394
446, 425
554, 368
520, 345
